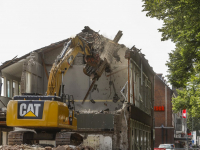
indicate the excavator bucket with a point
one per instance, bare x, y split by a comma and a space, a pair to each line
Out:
95, 67
95, 73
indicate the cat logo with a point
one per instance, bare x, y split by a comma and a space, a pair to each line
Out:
30, 109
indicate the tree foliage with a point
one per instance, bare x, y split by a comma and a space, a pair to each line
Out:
182, 26
188, 98
193, 123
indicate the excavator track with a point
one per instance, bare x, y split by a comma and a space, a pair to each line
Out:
20, 137
29, 137
15, 138
68, 138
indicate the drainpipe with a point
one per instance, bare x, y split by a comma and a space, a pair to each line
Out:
166, 135
186, 130
162, 134
128, 80
133, 84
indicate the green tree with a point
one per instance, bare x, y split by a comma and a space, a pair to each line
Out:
188, 98
182, 26
193, 123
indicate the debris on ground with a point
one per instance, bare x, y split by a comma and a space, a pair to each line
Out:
39, 147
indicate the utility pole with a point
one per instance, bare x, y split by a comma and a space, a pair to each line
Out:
186, 130
192, 123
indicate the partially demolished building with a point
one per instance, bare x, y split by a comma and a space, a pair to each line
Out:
118, 112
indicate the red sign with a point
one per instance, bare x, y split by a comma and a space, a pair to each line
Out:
184, 113
189, 133
159, 108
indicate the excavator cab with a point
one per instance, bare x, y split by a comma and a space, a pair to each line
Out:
41, 114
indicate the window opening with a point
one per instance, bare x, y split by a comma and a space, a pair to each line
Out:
19, 89
8, 88
2, 87
28, 82
14, 88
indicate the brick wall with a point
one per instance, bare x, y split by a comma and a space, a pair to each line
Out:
167, 135
169, 106
164, 136
159, 100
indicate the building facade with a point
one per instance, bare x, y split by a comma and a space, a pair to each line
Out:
118, 112
164, 120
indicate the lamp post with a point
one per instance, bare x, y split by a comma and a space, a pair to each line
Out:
186, 131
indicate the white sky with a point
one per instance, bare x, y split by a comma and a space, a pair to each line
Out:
27, 25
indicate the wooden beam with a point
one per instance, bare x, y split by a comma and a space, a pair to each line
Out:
118, 36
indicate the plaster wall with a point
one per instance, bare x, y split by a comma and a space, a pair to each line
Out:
108, 85
32, 75
77, 83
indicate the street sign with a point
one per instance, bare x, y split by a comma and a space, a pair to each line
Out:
184, 113
194, 137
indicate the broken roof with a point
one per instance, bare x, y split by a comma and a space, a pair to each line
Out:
60, 43
40, 50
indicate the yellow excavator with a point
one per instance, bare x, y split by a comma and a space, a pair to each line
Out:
52, 117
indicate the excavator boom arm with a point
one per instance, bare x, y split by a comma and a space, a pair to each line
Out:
85, 43
63, 63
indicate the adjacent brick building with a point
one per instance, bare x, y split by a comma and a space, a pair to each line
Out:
164, 128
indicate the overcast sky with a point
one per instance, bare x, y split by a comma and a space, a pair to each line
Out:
27, 25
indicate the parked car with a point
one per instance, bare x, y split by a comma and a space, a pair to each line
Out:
159, 148
165, 147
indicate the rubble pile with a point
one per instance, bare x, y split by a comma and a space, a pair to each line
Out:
38, 147
66, 147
